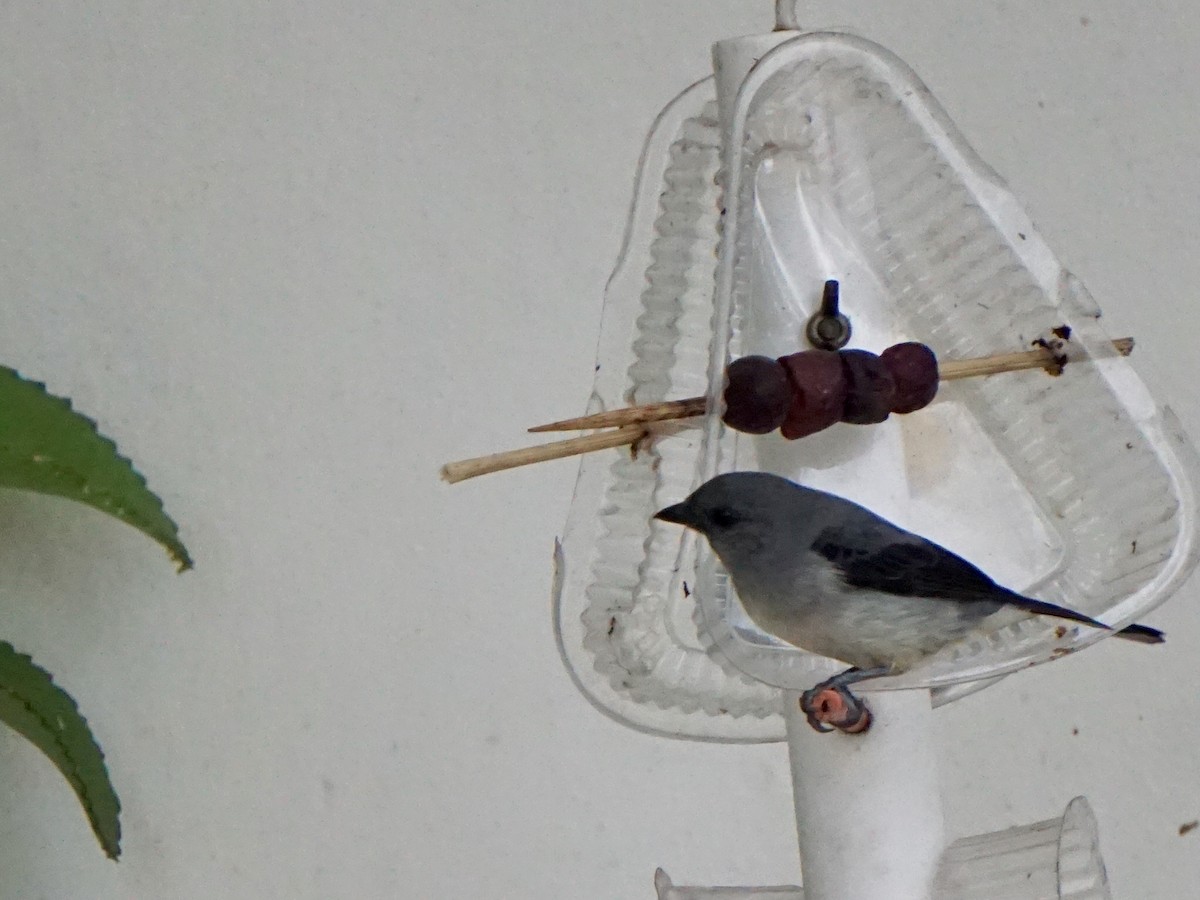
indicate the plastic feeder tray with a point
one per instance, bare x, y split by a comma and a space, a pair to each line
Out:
1076, 489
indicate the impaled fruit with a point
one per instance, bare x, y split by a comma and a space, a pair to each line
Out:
818, 391
870, 388
757, 395
914, 368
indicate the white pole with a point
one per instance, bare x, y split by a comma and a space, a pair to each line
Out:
732, 61
867, 806
868, 812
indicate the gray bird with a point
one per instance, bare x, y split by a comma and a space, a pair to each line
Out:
833, 578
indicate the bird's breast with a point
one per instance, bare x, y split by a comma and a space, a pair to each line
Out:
819, 613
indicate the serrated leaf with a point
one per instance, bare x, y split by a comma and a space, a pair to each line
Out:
47, 447
34, 706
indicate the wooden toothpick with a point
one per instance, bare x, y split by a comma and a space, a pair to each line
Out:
651, 412
454, 472
631, 423
1041, 358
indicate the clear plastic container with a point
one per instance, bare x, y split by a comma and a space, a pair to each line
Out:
1058, 859
1076, 489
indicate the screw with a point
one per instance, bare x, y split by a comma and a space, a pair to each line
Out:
828, 329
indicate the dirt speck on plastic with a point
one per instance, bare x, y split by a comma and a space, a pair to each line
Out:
1058, 361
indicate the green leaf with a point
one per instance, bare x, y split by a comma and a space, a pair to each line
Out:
33, 705
47, 447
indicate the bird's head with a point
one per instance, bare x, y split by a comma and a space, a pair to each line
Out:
744, 515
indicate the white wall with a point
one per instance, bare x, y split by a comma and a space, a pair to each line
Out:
295, 256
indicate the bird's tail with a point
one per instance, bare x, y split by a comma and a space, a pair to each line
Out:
1143, 634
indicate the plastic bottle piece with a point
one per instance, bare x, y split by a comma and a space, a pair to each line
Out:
842, 166
1058, 858
626, 628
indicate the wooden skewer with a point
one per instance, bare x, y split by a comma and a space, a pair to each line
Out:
1042, 358
633, 420
497, 462
651, 412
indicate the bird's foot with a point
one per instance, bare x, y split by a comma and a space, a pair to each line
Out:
830, 706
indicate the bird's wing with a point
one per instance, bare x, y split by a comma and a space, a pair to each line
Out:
892, 561
882, 557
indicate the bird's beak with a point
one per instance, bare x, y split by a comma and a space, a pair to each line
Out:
679, 514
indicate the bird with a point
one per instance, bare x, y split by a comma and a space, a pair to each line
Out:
829, 576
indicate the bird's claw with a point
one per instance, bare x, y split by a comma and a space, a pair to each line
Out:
830, 707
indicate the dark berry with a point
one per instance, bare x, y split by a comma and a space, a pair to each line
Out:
818, 392
870, 388
915, 371
757, 395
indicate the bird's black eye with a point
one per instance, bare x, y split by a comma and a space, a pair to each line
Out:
724, 517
